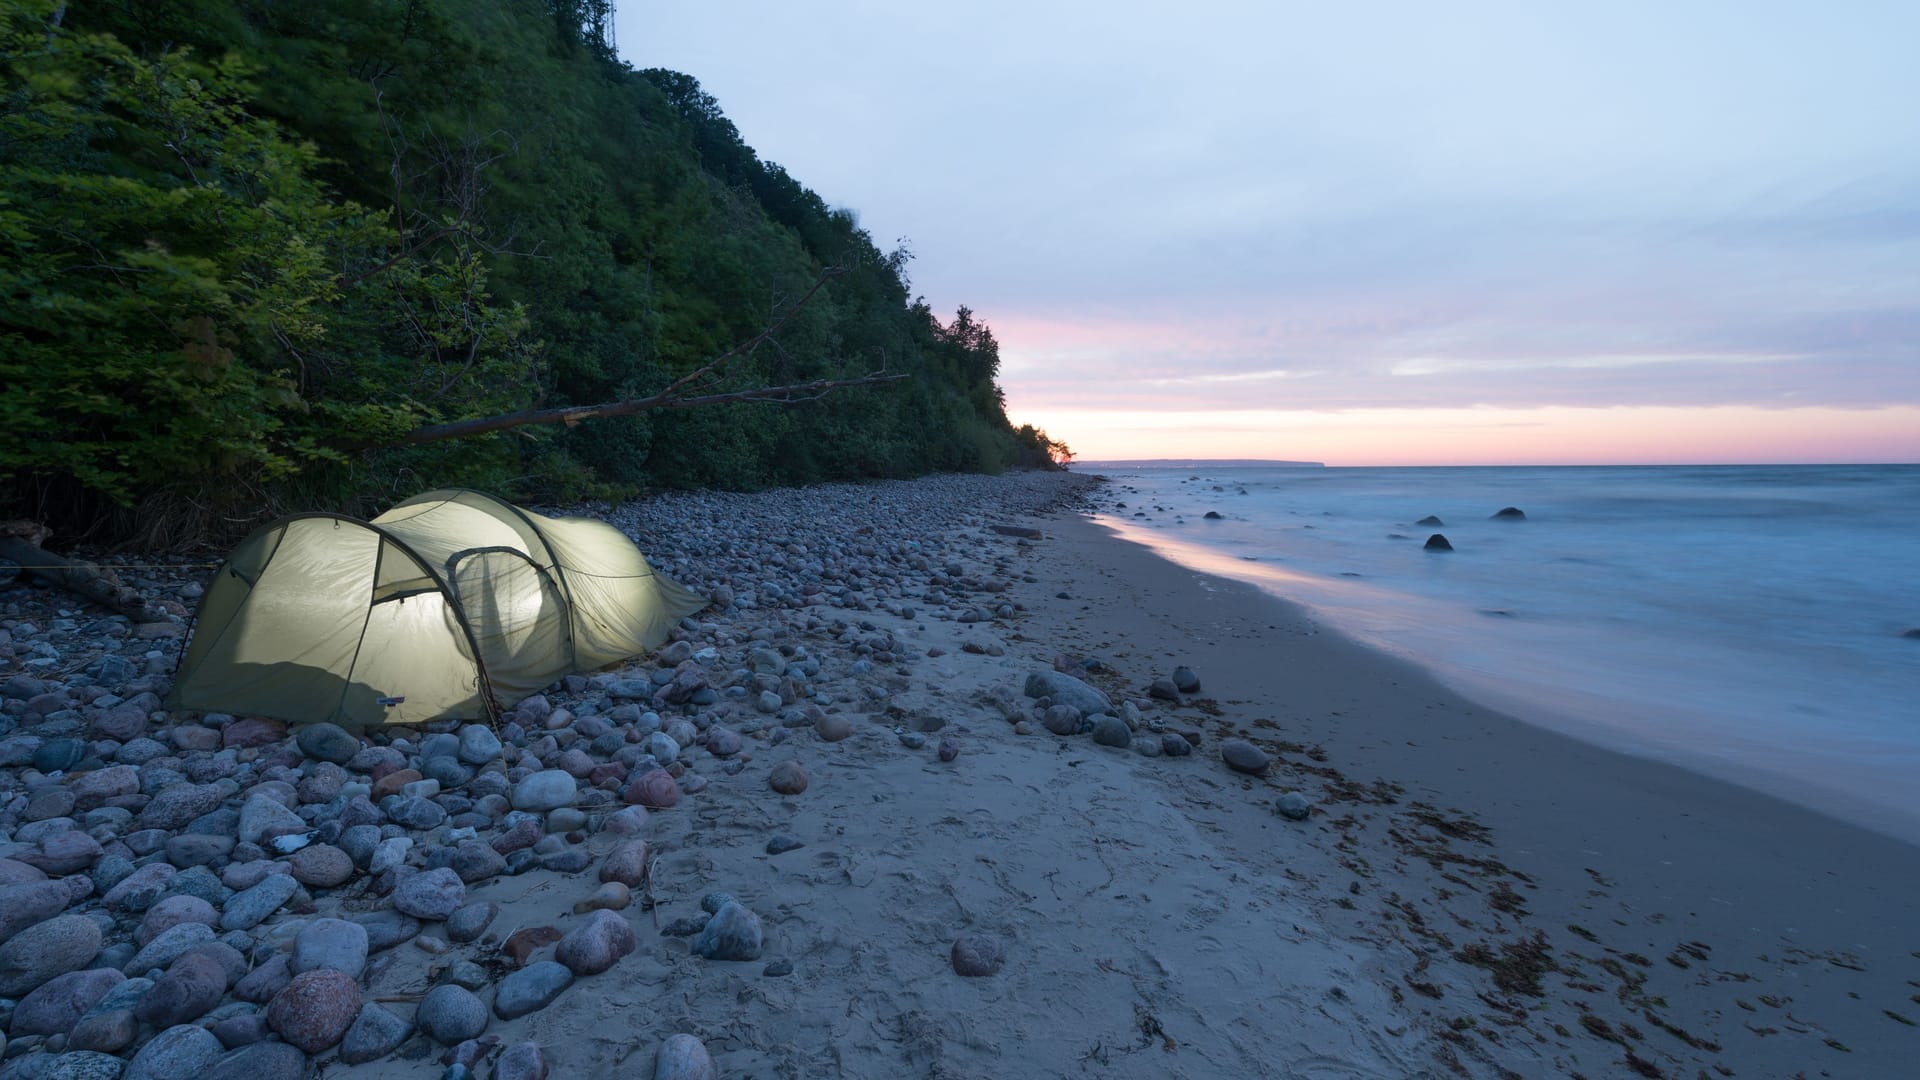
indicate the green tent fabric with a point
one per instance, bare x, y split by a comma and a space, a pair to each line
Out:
452, 604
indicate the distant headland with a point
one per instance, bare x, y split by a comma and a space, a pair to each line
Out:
1199, 463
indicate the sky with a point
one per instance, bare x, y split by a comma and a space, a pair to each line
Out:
1376, 233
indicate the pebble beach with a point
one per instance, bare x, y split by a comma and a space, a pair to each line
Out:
947, 781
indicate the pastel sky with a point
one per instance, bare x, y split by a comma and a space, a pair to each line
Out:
1387, 232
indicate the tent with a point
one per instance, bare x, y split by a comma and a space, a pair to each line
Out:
452, 604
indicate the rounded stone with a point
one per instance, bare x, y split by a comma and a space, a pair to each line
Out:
1244, 757
83, 1065
109, 1032
1437, 542
175, 911
1173, 745
521, 1061
333, 944
327, 742
450, 1015
1294, 806
654, 789
732, 934
975, 955
375, 1033
38, 953
59, 1003
1111, 731
321, 866
833, 727
470, 921
682, 1057
596, 944
530, 989
430, 894
626, 864
27, 903
788, 778
548, 789
723, 742
315, 1010
194, 984
178, 1053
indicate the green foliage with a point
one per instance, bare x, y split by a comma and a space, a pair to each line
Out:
243, 241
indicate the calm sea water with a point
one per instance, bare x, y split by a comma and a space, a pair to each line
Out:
1742, 621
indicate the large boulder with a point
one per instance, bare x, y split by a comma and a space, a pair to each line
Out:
34, 956
1066, 690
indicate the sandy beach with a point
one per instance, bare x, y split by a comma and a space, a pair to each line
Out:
1466, 896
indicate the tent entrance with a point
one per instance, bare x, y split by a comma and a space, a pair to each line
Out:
518, 617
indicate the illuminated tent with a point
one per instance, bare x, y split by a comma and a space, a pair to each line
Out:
451, 605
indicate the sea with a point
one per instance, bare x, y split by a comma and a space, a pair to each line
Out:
1746, 622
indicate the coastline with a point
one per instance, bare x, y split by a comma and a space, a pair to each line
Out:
1649, 858
1470, 895
1865, 794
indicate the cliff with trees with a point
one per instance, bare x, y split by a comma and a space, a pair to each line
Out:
251, 251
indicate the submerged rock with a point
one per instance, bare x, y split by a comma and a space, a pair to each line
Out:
1437, 542
1508, 513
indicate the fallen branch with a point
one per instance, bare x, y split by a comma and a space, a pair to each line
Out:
673, 397
570, 415
19, 544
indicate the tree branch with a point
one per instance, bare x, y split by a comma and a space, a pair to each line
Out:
790, 394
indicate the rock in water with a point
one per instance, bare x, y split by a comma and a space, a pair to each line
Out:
521, 1061
1437, 542
315, 1010
1509, 513
1185, 681
1212, 515
682, 1057
975, 955
788, 778
1242, 756
1430, 521
450, 1015
732, 934
1293, 806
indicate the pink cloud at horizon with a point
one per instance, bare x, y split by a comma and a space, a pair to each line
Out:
1620, 435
